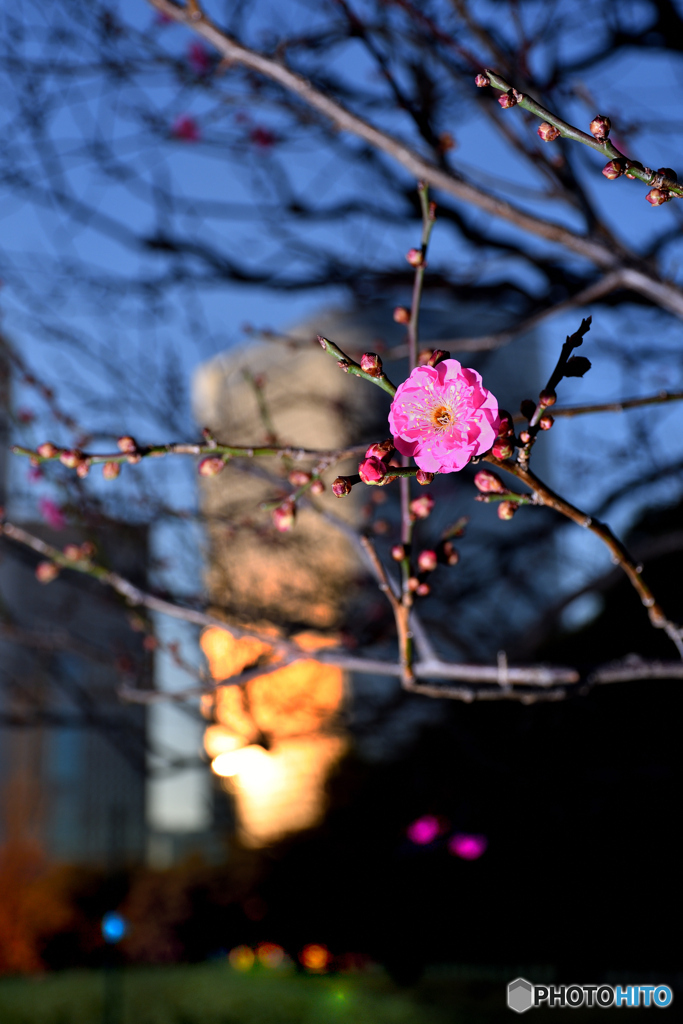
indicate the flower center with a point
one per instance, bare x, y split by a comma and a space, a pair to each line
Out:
442, 417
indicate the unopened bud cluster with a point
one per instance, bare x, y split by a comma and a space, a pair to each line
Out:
371, 363
432, 357
548, 132
600, 127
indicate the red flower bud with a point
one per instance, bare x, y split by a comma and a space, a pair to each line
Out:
548, 132
427, 561
83, 468
422, 506
372, 471
438, 356
47, 450
508, 99
507, 509
413, 583
600, 126
283, 516
422, 589
211, 465
341, 486
506, 425
415, 257
380, 450
524, 436
527, 408
614, 169
46, 572
71, 459
73, 552
657, 196
110, 470
489, 483
127, 444
402, 315
424, 478
502, 449
547, 398
450, 554
481, 81
546, 421
371, 363
299, 478
317, 487
398, 552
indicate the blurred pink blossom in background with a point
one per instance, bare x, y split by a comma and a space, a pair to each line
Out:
52, 514
262, 137
424, 830
35, 473
467, 847
25, 415
199, 59
186, 128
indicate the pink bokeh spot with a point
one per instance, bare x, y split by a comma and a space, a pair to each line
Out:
52, 514
199, 59
443, 416
186, 128
424, 830
466, 846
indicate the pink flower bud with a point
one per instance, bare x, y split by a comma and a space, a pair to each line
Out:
614, 169
506, 425
372, 471
71, 458
481, 81
657, 196
450, 554
546, 421
600, 127
211, 465
508, 99
413, 583
133, 460
421, 507
507, 509
186, 128
547, 398
341, 487
424, 478
83, 468
402, 315
317, 487
73, 553
438, 356
46, 572
127, 444
489, 483
371, 363
398, 552
415, 257
110, 470
502, 449
427, 561
380, 450
524, 436
422, 589
47, 450
299, 478
548, 132
283, 516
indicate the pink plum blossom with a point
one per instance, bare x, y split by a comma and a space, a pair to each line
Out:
424, 830
52, 514
467, 847
443, 416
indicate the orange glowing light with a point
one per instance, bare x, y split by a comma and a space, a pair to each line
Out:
270, 955
241, 958
229, 655
219, 740
315, 957
253, 765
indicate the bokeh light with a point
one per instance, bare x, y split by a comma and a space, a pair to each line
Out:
270, 955
424, 830
315, 957
467, 846
114, 927
253, 764
241, 958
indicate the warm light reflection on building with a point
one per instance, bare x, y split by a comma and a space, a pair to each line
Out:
275, 738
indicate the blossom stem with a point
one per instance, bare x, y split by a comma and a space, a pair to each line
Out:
428, 219
349, 365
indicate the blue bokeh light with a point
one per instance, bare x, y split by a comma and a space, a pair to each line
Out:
114, 927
